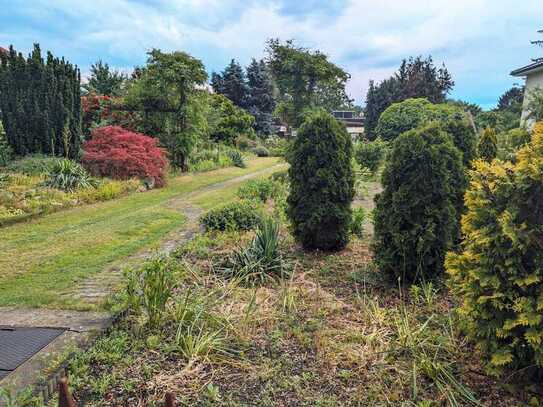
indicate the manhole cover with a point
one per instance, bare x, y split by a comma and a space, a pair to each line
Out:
17, 345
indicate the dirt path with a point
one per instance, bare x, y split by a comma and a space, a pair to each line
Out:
367, 202
95, 289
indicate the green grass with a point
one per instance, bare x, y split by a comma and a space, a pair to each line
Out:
210, 199
51, 255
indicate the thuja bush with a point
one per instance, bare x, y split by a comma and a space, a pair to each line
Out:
321, 183
416, 215
488, 144
498, 274
122, 154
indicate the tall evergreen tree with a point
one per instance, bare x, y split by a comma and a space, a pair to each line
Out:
511, 100
260, 100
104, 80
232, 84
416, 78
40, 103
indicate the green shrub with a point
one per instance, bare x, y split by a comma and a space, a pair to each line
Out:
233, 216
277, 147
488, 145
261, 260
321, 183
416, 214
150, 288
410, 114
370, 154
260, 190
509, 143
463, 136
261, 151
107, 190
207, 159
68, 175
498, 276
245, 143
357, 222
280, 176
237, 158
32, 164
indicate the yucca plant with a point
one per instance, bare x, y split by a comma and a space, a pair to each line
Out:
261, 260
68, 175
237, 158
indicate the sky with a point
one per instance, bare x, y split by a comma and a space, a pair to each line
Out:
480, 41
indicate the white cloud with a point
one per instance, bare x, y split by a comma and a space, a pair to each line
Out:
480, 40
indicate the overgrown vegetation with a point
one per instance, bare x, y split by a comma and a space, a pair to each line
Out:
370, 154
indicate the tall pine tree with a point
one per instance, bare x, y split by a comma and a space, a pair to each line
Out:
40, 103
231, 83
260, 100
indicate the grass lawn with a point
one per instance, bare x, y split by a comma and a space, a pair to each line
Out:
50, 255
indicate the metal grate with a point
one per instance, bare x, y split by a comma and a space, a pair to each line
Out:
17, 345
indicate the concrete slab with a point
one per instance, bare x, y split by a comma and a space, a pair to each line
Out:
44, 368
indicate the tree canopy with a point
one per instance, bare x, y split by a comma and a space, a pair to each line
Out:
260, 101
105, 81
416, 78
232, 84
301, 75
165, 91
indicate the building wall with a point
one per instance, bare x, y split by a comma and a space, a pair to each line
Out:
533, 81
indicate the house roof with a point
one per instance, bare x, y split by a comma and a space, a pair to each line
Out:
528, 69
3, 50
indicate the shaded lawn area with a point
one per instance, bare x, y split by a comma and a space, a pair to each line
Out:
47, 256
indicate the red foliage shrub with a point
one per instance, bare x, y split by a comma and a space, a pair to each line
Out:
119, 153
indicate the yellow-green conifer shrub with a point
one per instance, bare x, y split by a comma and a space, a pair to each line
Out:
488, 144
498, 275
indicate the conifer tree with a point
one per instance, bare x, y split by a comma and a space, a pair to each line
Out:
322, 183
232, 84
488, 145
260, 101
104, 80
38, 100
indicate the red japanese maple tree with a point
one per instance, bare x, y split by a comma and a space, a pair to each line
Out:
119, 153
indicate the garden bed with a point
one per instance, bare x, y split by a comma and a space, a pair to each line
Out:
332, 333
